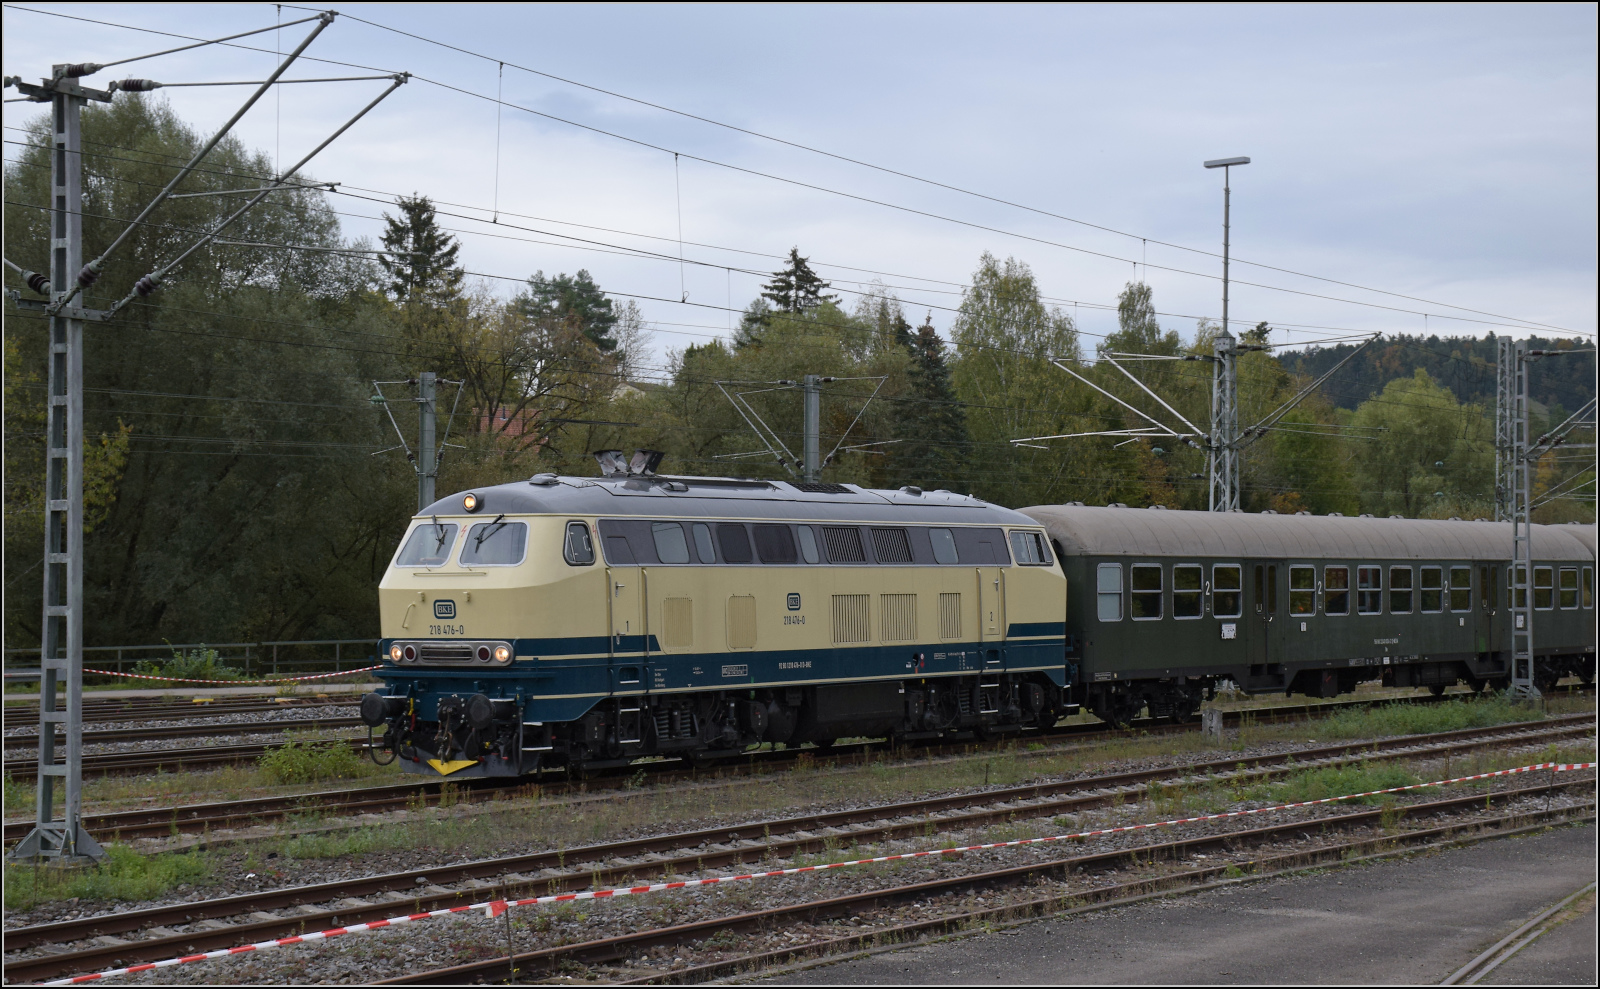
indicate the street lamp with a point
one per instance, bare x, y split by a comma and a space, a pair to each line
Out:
1225, 164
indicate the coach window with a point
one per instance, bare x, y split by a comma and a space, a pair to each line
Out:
702, 543
1460, 588
735, 543
578, 549
808, 544
1108, 591
1226, 584
1543, 588
1569, 588
944, 546
1187, 590
495, 544
671, 546
1302, 590
1431, 584
775, 544
1399, 590
1369, 590
429, 545
1335, 590
1145, 604
1588, 587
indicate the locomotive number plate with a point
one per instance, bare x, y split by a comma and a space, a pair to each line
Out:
447, 630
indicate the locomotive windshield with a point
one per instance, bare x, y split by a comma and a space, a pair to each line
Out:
496, 543
429, 545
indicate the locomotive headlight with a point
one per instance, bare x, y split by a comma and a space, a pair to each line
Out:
410, 653
394, 652
471, 502
502, 653
483, 654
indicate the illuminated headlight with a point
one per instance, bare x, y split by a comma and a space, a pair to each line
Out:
502, 653
394, 652
471, 502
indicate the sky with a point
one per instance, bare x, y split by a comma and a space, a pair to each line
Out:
1441, 152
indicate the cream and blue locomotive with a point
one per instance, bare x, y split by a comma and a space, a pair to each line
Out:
584, 621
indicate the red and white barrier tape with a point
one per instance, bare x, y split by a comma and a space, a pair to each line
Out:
231, 683
495, 908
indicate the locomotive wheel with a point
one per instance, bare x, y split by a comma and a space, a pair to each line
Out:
1436, 689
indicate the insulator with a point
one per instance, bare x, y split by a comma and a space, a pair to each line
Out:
39, 283
89, 275
136, 85
80, 69
146, 285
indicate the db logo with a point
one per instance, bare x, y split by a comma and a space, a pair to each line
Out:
444, 609
794, 602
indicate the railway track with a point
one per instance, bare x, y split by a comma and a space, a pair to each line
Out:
160, 709
709, 848
191, 818
101, 736
171, 760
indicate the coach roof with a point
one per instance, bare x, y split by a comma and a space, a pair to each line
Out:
1089, 531
720, 497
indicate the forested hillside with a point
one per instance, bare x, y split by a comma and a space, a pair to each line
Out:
232, 487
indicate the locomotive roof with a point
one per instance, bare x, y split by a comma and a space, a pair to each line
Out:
723, 497
1091, 531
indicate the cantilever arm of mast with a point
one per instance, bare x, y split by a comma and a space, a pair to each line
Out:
1155, 422
1260, 429
1152, 394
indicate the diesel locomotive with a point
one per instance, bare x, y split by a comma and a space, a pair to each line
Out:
589, 621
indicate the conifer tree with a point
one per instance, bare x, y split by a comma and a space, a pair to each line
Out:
931, 421
797, 288
574, 300
420, 259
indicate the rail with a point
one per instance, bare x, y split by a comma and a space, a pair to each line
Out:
269, 657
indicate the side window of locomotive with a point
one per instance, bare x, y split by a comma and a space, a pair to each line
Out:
1302, 590
1029, 550
775, 544
1460, 588
1569, 588
1544, 580
1399, 590
429, 545
1145, 603
1335, 590
1187, 590
1431, 584
1227, 590
891, 545
1108, 591
671, 546
808, 544
702, 543
577, 548
944, 546
495, 544
735, 543
1369, 590
844, 544
1588, 587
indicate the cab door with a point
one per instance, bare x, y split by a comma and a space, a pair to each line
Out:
625, 606
992, 616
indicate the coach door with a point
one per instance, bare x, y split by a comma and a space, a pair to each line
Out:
1266, 630
1484, 609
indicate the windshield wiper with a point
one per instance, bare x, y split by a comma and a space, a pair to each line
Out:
489, 530
440, 529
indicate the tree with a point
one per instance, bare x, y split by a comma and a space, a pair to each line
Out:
930, 419
797, 288
1422, 454
420, 259
1258, 335
575, 301
1138, 330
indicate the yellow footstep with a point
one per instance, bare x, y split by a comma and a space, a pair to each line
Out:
446, 768
203, 700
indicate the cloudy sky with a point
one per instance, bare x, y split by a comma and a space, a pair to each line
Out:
1446, 153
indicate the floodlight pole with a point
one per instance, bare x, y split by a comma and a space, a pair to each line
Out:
63, 840
1222, 455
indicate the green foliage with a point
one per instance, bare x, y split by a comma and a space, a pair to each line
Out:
1138, 330
312, 762
123, 875
1336, 781
420, 259
574, 301
796, 288
1428, 456
1418, 719
18, 795
195, 664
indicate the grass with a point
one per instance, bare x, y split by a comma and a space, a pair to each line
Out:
314, 761
1333, 781
123, 875
1418, 719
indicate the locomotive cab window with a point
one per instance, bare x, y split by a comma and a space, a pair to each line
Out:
1399, 590
1543, 588
1145, 603
1569, 588
1029, 549
429, 545
1460, 588
775, 544
944, 546
1108, 591
702, 543
671, 545
735, 543
1369, 590
495, 544
1431, 584
1187, 591
1335, 590
1302, 590
577, 547
1227, 590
